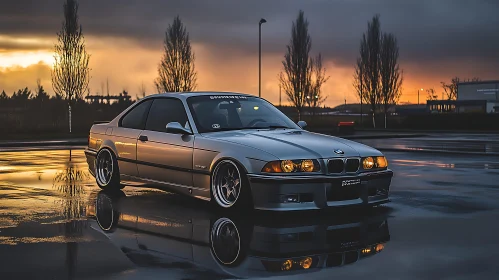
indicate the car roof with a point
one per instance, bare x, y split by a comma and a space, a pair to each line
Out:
185, 95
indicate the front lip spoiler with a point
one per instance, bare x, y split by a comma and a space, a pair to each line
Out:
318, 178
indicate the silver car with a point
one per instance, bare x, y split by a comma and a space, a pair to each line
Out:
236, 150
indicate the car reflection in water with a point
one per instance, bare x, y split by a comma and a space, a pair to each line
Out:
166, 232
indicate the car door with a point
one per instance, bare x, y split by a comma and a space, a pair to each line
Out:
125, 137
166, 157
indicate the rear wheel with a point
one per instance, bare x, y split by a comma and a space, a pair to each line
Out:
229, 186
107, 172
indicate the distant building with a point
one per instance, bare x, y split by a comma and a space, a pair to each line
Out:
123, 97
485, 91
482, 97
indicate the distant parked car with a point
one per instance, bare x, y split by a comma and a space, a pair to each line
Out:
235, 150
346, 127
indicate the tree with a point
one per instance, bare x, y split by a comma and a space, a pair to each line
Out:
142, 90
431, 94
3, 96
22, 95
40, 95
296, 77
318, 78
70, 73
176, 70
377, 75
367, 72
360, 78
389, 71
450, 90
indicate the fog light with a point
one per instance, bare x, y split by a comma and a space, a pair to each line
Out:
286, 265
380, 247
306, 263
366, 251
290, 198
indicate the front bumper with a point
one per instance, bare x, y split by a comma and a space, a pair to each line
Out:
286, 193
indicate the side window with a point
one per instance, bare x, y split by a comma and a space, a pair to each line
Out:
164, 111
136, 118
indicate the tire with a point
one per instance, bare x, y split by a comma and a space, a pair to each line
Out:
107, 210
229, 186
230, 241
107, 173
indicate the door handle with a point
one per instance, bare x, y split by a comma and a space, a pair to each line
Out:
143, 138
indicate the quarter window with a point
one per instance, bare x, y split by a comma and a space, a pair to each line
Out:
164, 111
136, 117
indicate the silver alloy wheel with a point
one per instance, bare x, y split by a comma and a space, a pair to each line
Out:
226, 183
104, 167
225, 241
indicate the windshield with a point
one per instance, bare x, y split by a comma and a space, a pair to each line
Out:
231, 112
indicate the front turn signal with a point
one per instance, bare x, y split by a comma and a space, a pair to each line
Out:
381, 162
272, 167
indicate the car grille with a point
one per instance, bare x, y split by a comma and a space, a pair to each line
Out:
335, 166
352, 165
341, 165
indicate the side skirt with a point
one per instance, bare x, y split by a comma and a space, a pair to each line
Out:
135, 181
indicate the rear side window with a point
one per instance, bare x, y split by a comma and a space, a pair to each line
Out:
164, 111
136, 118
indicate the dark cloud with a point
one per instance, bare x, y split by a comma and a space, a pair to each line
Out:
428, 31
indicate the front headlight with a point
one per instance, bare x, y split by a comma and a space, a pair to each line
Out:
368, 163
374, 162
290, 166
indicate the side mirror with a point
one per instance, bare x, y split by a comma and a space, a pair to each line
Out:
175, 127
302, 124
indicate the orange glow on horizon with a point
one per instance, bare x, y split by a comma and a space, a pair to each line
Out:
127, 65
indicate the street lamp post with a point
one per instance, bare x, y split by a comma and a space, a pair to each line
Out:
260, 56
418, 95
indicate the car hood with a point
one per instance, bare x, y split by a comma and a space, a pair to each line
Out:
294, 144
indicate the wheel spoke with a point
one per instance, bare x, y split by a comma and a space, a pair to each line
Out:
229, 191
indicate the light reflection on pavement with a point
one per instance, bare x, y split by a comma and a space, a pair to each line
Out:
441, 224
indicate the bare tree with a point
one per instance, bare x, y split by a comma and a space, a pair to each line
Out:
317, 78
296, 77
367, 72
142, 90
40, 95
360, 78
70, 73
431, 94
176, 70
389, 71
450, 90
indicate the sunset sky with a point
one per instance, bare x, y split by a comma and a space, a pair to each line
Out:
437, 39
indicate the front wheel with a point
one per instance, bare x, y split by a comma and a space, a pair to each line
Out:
107, 172
228, 186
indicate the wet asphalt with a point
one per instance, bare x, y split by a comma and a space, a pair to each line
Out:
55, 223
